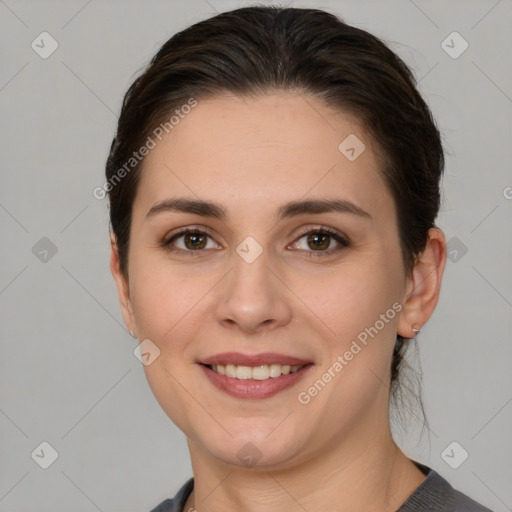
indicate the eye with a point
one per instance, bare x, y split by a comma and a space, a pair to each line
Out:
189, 240
320, 241
316, 242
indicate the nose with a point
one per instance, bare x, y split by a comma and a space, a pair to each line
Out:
253, 299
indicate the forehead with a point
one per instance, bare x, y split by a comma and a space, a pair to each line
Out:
266, 149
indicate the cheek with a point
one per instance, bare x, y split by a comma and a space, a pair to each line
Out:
362, 310
167, 307
165, 301
360, 305
352, 297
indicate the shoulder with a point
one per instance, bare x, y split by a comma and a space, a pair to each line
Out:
177, 503
436, 494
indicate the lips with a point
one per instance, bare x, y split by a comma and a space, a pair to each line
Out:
254, 376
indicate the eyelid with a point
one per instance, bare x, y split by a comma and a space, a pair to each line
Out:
341, 238
323, 229
184, 230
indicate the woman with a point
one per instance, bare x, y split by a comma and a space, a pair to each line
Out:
273, 186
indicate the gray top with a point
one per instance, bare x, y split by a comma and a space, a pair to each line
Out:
433, 494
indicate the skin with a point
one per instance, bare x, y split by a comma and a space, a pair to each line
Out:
252, 155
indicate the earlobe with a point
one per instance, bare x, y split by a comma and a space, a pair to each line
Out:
123, 289
424, 285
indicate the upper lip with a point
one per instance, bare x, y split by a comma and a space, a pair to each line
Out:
239, 359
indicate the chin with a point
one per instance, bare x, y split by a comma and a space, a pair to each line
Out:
260, 451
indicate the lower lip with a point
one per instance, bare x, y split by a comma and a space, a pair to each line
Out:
250, 388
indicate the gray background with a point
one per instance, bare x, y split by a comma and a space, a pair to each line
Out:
68, 374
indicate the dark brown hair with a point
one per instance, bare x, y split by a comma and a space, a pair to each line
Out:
254, 50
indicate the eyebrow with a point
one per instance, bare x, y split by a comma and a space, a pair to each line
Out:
287, 210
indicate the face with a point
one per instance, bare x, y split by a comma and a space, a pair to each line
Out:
299, 257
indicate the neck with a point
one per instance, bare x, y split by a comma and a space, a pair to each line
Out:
361, 472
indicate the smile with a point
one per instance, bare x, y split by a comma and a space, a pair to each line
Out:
262, 372
254, 382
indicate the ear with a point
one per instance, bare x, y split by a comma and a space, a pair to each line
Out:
123, 289
423, 285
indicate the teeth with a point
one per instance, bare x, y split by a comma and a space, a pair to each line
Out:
275, 370
243, 372
230, 370
262, 372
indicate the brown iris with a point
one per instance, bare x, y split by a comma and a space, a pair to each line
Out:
315, 238
195, 241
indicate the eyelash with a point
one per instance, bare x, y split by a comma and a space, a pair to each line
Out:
338, 237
